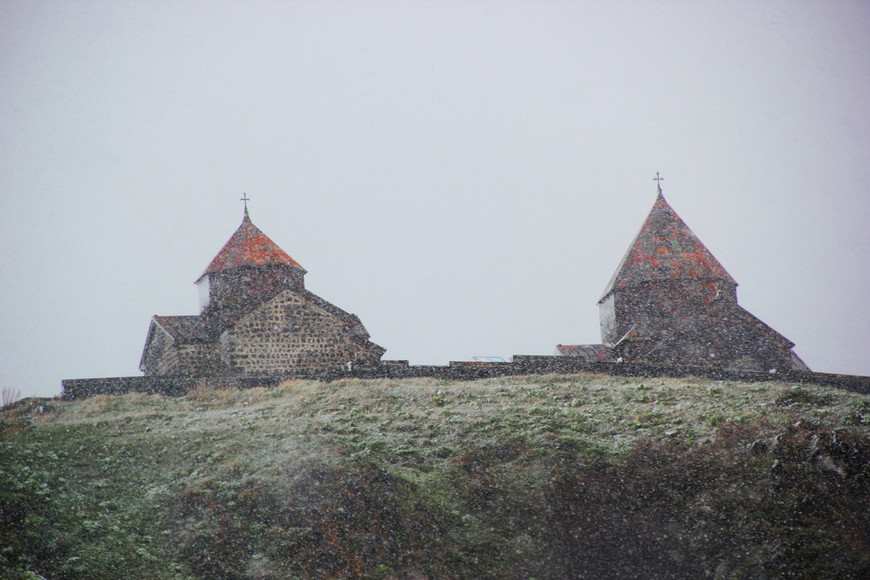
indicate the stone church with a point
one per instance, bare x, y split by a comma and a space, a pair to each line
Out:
670, 302
256, 318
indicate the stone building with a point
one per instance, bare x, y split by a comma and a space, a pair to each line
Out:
256, 318
671, 302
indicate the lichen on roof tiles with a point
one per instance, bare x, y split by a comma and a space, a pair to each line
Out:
249, 246
665, 249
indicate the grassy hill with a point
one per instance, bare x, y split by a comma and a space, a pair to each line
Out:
563, 476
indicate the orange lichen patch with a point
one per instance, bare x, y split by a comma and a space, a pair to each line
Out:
662, 251
249, 246
640, 257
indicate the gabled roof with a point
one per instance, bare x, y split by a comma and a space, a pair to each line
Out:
183, 329
248, 246
665, 249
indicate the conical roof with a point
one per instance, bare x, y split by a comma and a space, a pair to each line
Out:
665, 249
248, 246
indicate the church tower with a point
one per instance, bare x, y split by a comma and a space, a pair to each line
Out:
249, 269
671, 302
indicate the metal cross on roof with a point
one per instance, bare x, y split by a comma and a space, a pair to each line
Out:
246, 199
658, 179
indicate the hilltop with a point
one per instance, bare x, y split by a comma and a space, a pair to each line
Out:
543, 476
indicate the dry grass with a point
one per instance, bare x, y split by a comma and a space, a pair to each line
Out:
8, 395
612, 410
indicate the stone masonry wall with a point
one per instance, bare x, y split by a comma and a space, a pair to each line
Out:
198, 359
290, 332
521, 365
690, 323
161, 358
166, 358
653, 308
232, 293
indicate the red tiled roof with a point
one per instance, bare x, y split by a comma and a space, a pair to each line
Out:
248, 246
666, 249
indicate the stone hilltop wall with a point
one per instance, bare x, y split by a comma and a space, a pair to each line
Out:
460, 371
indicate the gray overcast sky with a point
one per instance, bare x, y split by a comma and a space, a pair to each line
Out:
464, 176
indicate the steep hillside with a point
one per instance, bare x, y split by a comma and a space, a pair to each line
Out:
526, 477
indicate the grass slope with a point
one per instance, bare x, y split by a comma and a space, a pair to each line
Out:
569, 476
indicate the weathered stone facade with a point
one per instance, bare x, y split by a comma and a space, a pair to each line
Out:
670, 302
178, 345
256, 319
296, 330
